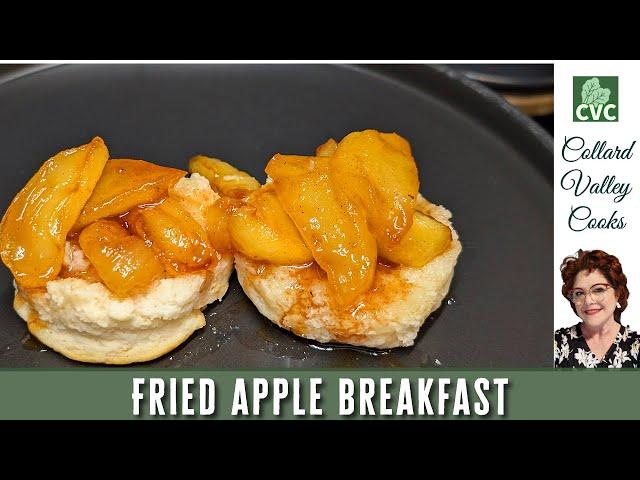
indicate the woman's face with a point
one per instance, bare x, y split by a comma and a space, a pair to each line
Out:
594, 306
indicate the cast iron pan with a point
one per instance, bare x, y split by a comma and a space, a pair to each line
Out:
476, 155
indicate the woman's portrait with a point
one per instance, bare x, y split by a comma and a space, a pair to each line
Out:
596, 288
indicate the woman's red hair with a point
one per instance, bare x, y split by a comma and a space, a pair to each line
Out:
608, 265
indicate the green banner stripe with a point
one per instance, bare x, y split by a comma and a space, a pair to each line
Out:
406, 393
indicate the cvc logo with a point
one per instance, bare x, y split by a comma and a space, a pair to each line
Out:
595, 99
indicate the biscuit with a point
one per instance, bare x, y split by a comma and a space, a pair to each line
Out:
389, 315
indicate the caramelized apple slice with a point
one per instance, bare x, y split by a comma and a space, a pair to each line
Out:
223, 177
218, 217
177, 238
124, 263
327, 149
426, 239
263, 231
334, 228
379, 171
34, 228
290, 166
125, 184
397, 142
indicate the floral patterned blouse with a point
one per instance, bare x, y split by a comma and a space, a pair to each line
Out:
571, 350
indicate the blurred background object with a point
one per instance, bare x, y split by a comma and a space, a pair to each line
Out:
8, 67
528, 87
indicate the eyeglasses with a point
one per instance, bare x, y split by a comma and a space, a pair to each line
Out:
597, 291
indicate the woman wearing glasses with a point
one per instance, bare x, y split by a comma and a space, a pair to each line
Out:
596, 288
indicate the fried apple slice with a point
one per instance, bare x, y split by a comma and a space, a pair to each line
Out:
223, 177
36, 224
124, 263
327, 149
333, 227
397, 142
176, 237
378, 171
262, 230
125, 184
218, 217
426, 239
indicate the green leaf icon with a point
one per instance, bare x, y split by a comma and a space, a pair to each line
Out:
601, 95
588, 90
